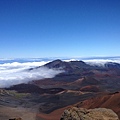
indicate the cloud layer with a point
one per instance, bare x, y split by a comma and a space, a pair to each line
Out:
101, 62
15, 73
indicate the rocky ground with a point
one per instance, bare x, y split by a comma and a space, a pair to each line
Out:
14, 104
7, 113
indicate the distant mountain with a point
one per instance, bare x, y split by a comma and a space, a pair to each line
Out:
70, 67
80, 65
75, 70
112, 65
74, 66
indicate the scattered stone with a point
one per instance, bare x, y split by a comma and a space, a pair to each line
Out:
3, 92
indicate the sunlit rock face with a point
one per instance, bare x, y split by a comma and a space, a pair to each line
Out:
89, 114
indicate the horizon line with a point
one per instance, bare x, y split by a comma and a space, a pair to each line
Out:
89, 57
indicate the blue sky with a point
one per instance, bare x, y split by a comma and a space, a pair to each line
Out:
59, 28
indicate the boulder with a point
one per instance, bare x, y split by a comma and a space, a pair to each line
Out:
16, 119
75, 113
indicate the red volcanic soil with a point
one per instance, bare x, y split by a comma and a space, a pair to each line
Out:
55, 115
91, 88
111, 73
111, 101
48, 82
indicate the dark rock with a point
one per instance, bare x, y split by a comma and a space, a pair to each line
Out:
16, 119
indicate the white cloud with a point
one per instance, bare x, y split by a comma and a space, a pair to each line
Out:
68, 60
15, 73
101, 62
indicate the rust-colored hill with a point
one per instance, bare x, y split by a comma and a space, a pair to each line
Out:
111, 101
91, 88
